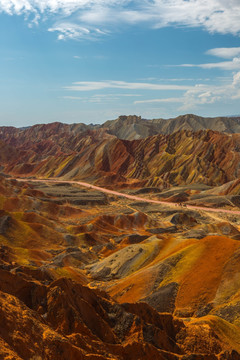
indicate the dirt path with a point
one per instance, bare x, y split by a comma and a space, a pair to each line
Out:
133, 197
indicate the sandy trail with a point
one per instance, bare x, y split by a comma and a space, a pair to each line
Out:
132, 197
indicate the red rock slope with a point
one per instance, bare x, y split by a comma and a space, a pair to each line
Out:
58, 150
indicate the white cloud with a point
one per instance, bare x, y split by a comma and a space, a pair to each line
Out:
220, 16
163, 100
236, 80
111, 84
225, 65
114, 95
173, 79
100, 97
74, 32
203, 94
191, 97
225, 53
234, 64
74, 97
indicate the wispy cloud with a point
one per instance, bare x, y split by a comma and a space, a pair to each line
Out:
102, 16
234, 64
173, 79
190, 98
97, 98
163, 100
70, 31
75, 32
202, 94
209, 94
111, 84
225, 53
232, 53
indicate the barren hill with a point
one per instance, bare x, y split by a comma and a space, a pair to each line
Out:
84, 280
58, 150
134, 127
91, 275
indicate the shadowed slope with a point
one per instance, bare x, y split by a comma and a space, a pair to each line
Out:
181, 158
134, 127
67, 252
91, 326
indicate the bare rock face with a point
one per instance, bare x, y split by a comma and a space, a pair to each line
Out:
183, 157
78, 322
66, 320
231, 355
29, 292
89, 276
28, 336
5, 222
183, 219
134, 127
163, 300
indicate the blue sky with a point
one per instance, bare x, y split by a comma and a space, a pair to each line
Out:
93, 60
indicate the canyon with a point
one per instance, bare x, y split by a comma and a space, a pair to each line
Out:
121, 240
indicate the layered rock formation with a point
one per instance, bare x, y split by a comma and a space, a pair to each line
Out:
105, 281
134, 127
184, 157
66, 320
88, 275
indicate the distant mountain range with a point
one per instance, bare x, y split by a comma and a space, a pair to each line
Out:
127, 151
134, 127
